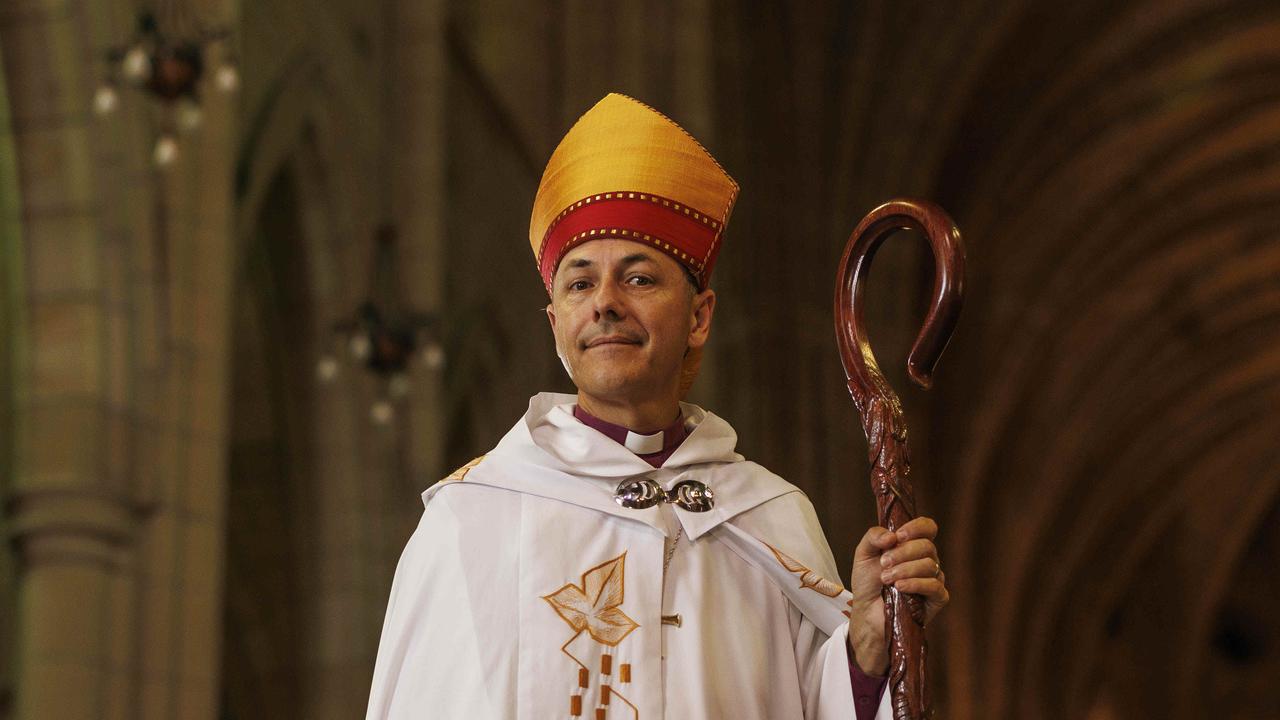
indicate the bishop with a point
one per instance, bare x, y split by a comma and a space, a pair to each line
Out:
614, 556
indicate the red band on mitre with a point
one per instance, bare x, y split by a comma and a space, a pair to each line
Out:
684, 233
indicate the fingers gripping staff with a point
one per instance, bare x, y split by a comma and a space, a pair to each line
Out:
881, 411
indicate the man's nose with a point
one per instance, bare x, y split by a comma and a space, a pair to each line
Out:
608, 301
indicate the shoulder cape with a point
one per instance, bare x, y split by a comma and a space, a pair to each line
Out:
764, 519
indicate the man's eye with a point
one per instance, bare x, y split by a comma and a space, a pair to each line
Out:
579, 285
640, 280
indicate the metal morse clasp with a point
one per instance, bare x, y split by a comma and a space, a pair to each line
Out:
641, 493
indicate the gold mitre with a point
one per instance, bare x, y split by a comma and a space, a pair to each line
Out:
626, 171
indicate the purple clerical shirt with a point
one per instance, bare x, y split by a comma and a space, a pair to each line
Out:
672, 435
866, 689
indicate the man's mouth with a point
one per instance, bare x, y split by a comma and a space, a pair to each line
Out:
612, 340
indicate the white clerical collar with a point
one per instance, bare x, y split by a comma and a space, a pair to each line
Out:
644, 444
569, 445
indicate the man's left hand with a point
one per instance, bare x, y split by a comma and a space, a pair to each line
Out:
907, 559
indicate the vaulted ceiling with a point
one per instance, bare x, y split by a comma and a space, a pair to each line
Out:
1102, 443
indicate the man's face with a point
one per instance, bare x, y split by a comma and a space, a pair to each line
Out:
623, 315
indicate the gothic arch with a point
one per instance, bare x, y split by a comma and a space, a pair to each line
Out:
308, 178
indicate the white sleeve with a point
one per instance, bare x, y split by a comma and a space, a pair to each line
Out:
406, 618
442, 652
823, 663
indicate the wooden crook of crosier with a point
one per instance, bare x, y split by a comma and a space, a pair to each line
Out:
881, 410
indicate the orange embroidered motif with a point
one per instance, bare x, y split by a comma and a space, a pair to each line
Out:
461, 472
593, 605
808, 578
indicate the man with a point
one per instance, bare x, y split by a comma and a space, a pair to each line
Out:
613, 557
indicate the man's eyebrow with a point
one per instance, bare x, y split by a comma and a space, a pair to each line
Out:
580, 263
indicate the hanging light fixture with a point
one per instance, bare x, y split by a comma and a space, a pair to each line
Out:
386, 338
166, 59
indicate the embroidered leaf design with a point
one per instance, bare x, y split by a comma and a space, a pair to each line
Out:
461, 472
593, 605
808, 578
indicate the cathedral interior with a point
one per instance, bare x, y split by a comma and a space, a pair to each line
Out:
206, 488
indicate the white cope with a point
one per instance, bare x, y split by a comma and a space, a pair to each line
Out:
527, 592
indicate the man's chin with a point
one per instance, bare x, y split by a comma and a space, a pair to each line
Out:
613, 386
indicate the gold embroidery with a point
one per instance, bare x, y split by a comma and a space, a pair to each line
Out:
593, 605
565, 649
635, 711
461, 472
808, 578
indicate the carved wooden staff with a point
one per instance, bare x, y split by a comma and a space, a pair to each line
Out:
881, 411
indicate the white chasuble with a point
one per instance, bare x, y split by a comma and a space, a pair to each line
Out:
528, 592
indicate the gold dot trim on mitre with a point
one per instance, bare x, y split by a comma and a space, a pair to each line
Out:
697, 265
685, 209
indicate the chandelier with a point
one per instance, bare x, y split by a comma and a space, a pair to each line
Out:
167, 59
383, 336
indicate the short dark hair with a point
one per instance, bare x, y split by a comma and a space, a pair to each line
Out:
688, 275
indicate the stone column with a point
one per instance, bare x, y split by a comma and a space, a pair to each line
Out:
115, 503
417, 79
70, 516
182, 381
11, 324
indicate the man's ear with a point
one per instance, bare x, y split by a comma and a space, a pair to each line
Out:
551, 316
704, 306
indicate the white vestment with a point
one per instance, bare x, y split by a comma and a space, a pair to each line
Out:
528, 592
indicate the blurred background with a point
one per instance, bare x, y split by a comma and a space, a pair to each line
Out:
264, 277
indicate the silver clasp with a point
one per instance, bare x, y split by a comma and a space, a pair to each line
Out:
642, 493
